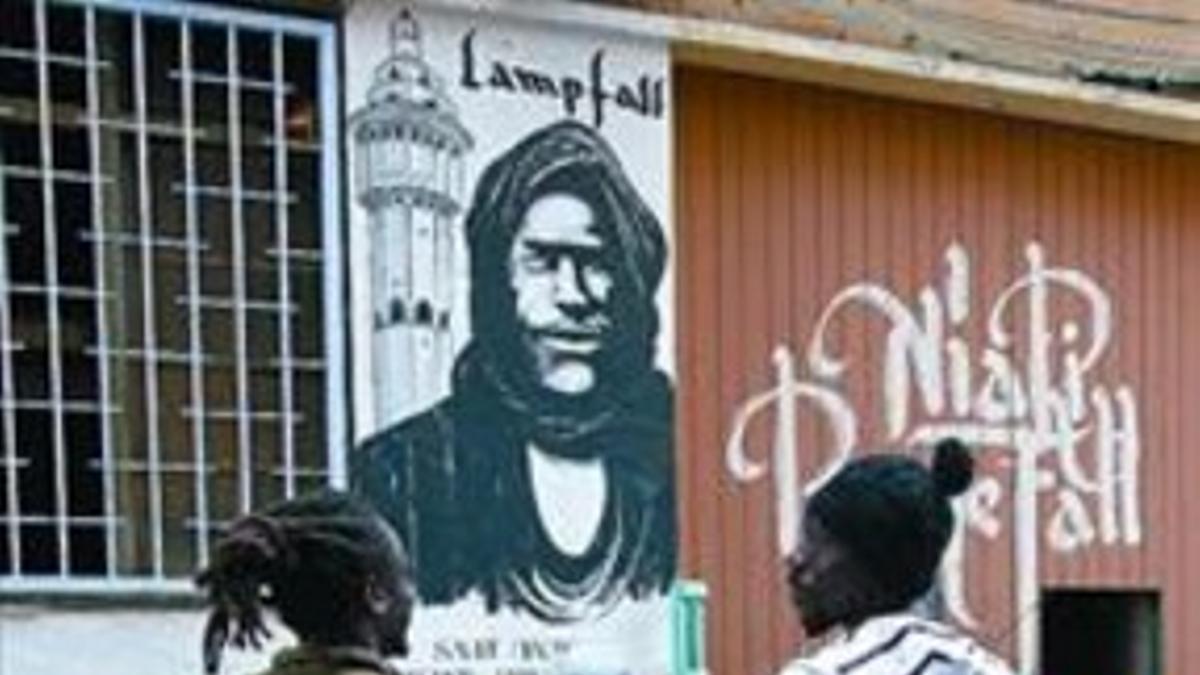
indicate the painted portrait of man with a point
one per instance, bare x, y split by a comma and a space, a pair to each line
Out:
544, 481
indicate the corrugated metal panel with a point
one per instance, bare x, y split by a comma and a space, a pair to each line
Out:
790, 193
1142, 44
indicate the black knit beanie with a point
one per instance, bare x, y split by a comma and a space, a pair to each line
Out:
893, 514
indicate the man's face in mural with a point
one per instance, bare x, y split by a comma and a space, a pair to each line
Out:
562, 285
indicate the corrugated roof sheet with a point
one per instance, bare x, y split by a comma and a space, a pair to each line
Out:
1148, 44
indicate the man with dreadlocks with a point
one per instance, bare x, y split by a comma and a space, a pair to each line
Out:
332, 569
870, 544
555, 400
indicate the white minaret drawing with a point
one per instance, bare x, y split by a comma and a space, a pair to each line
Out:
408, 175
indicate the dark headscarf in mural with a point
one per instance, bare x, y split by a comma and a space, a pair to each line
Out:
565, 158
454, 480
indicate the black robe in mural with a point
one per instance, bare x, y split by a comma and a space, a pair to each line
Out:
454, 479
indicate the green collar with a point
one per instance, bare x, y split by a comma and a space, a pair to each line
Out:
330, 657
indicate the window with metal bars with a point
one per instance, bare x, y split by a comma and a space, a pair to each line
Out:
168, 338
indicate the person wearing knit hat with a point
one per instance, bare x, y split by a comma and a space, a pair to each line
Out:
870, 544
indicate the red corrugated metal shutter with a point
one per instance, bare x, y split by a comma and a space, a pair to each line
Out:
789, 193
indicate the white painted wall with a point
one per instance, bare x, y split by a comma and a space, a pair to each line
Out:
112, 641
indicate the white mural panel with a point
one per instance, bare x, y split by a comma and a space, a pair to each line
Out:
511, 334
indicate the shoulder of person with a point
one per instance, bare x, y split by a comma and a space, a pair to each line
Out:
986, 663
899, 641
829, 659
328, 669
805, 667
304, 660
914, 642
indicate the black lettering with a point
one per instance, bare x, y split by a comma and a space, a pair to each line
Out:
628, 100
646, 91
467, 79
646, 96
532, 650
572, 90
534, 82
500, 78
487, 649
599, 95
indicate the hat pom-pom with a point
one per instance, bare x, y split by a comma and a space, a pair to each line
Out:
953, 467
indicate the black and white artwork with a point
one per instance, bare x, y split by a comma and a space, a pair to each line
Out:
556, 388
512, 339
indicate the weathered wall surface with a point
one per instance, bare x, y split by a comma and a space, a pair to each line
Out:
892, 272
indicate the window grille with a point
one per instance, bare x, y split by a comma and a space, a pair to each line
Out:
170, 320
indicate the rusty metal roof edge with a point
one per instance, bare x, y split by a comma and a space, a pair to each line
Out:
929, 77
1008, 45
1011, 44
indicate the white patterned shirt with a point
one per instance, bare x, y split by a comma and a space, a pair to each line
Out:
900, 644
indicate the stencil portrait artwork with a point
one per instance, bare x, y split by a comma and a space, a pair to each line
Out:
544, 480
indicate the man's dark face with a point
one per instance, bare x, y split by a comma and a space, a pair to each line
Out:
391, 597
394, 623
828, 588
562, 284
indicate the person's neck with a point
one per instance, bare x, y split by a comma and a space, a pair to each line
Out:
353, 640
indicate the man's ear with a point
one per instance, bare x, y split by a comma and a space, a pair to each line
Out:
379, 600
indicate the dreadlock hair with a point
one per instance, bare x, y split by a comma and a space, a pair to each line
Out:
310, 559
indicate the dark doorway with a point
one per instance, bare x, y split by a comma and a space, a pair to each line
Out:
1101, 633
